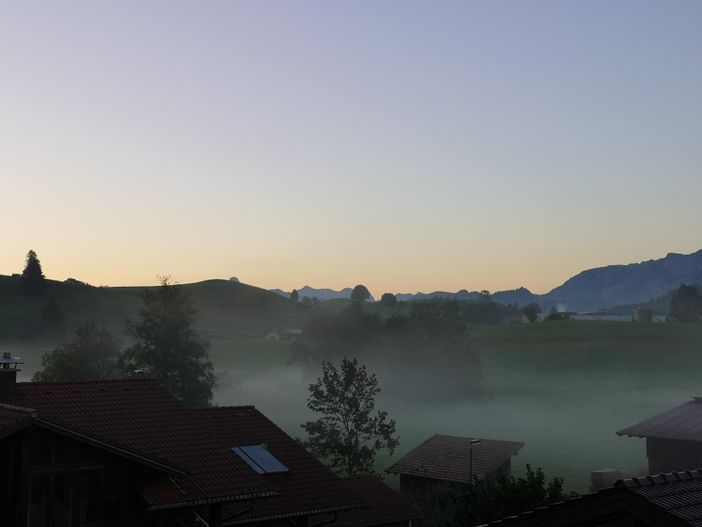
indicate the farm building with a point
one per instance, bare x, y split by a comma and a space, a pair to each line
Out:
673, 438
126, 453
442, 460
642, 314
672, 500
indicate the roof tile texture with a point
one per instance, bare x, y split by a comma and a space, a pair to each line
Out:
387, 506
137, 416
448, 458
308, 486
682, 422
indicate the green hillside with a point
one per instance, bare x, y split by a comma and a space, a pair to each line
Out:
234, 317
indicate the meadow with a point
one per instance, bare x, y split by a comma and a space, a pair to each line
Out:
563, 388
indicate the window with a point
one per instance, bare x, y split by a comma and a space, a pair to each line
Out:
260, 459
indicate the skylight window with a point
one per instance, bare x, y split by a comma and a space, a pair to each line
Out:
260, 459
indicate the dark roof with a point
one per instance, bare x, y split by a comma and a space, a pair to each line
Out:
386, 506
673, 499
140, 421
308, 487
13, 418
448, 458
682, 422
677, 493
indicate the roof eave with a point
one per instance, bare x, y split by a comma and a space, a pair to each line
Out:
323, 510
139, 458
211, 501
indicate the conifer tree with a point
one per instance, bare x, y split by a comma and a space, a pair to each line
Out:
33, 281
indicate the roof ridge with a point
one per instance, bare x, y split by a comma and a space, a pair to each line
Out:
657, 479
119, 380
228, 407
476, 437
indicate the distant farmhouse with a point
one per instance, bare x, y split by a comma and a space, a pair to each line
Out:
124, 453
673, 438
642, 314
442, 460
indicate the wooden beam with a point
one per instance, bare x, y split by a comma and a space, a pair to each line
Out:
215, 514
24, 480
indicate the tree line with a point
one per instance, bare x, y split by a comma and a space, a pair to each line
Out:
166, 348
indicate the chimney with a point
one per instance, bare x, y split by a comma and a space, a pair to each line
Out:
8, 377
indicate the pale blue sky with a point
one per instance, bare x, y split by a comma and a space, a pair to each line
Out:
404, 145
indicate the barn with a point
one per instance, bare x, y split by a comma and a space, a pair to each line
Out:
673, 438
443, 459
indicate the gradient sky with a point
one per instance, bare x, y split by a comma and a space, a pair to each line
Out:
404, 145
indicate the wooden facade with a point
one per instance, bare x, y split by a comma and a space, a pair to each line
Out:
417, 488
670, 455
55, 481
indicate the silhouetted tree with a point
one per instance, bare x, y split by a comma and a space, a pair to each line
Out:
485, 295
483, 311
52, 317
90, 354
33, 281
437, 318
360, 293
686, 304
531, 311
350, 432
388, 299
168, 348
294, 296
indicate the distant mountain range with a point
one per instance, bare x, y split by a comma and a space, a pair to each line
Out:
613, 285
321, 294
591, 290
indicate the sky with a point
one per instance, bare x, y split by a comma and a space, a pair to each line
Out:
408, 146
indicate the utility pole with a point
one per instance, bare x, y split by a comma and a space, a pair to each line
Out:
470, 458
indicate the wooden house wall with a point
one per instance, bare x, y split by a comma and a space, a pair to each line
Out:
416, 488
11, 462
71, 484
668, 455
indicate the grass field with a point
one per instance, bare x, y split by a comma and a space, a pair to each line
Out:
564, 388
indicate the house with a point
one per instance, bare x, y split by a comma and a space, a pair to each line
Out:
442, 460
673, 438
642, 314
273, 336
288, 334
672, 500
126, 453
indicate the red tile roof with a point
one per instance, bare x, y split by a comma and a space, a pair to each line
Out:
136, 418
682, 422
308, 487
386, 506
448, 458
